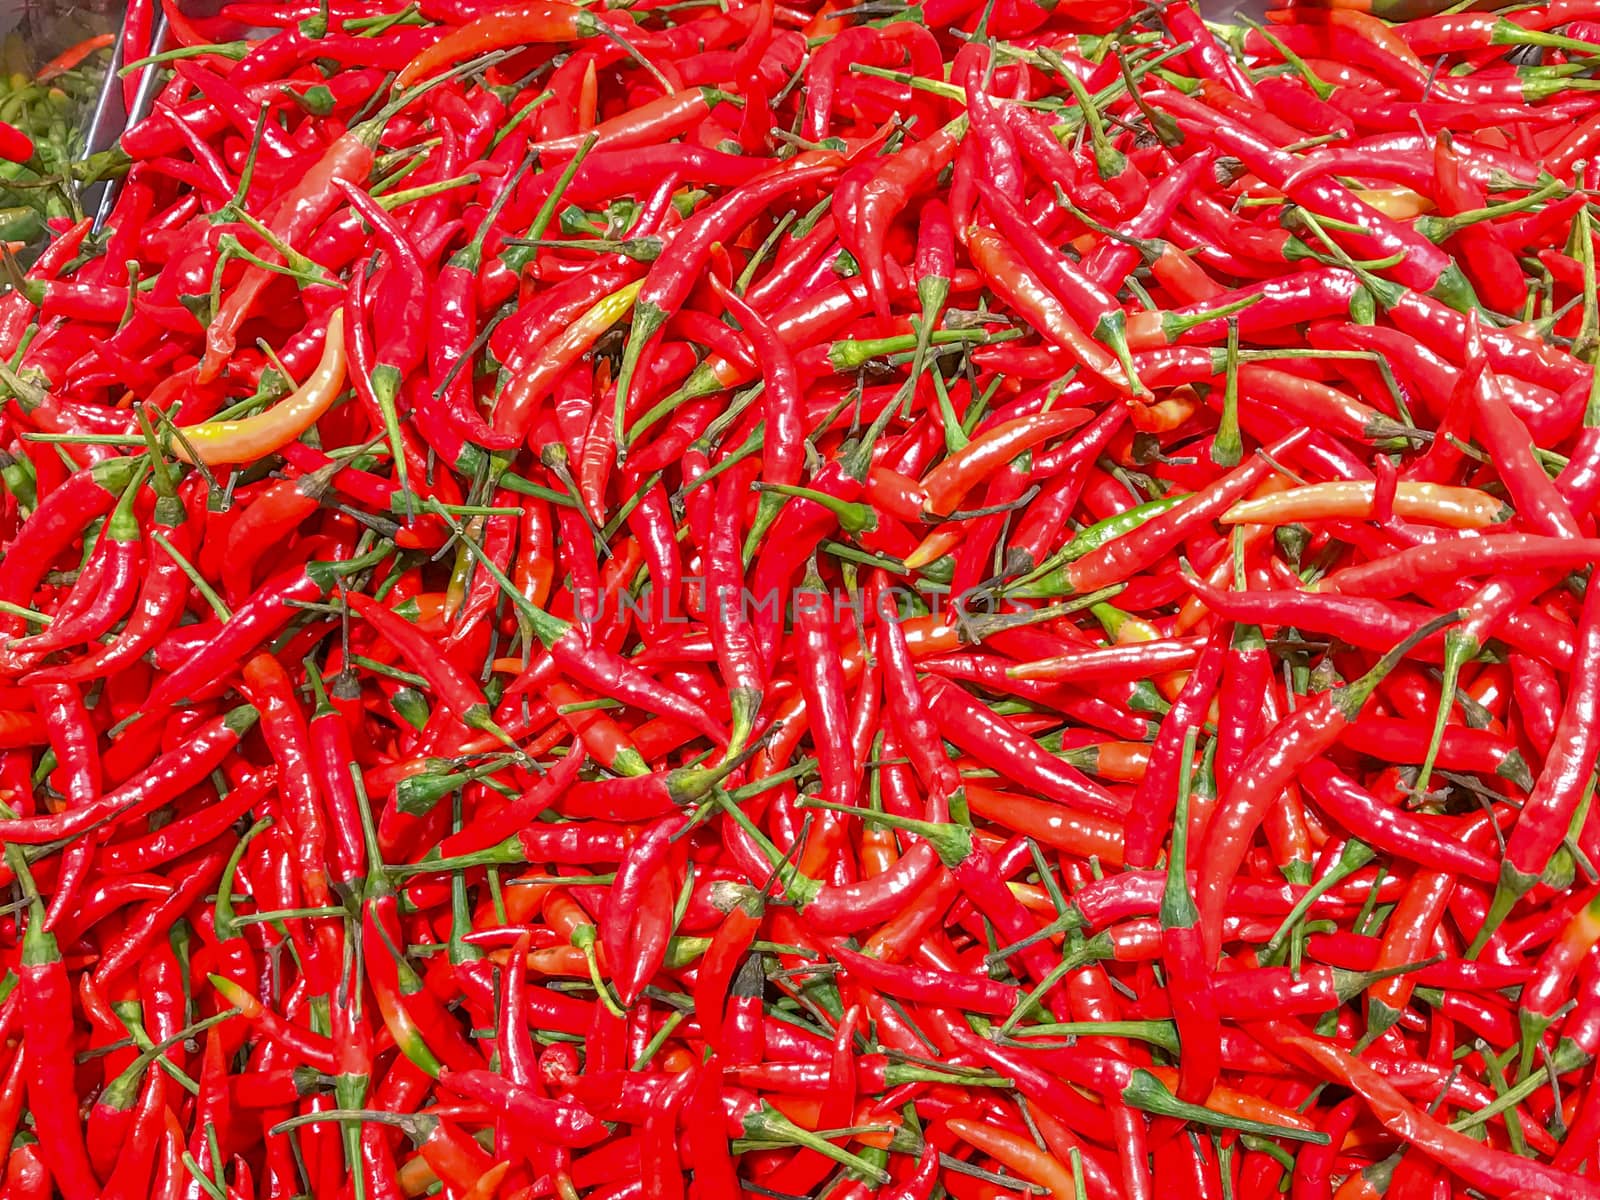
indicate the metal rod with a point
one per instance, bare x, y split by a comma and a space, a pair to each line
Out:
109, 119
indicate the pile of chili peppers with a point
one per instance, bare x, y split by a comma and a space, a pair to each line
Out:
697, 600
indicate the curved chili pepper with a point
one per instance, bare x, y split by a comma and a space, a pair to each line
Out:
283, 726
635, 929
531, 1114
250, 438
887, 192
302, 208
1009, 277
518, 25
1421, 839
1495, 1171
1183, 952
784, 438
458, 693
1460, 508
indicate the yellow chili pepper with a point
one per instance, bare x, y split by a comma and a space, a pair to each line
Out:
1442, 504
251, 438
1126, 628
1400, 203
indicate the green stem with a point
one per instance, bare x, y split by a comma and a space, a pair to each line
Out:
1148, 1094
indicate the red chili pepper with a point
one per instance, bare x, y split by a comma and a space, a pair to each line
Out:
848, 908
163, 781
1493, 1170
1163, 774
1543, 821
268, 609
1183, 952
284, 727
887, 193
54, 525
105, 588
15, 146
151, 850
1005, 272
45, 995
519, 25
930, 986
784, 437
637, 923
531, 1115
423, 1030
460, 695
304, 206
308, 1048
